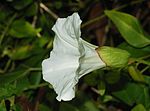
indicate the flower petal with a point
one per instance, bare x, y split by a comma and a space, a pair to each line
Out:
70, 59
60, 69
68, 29
90, 61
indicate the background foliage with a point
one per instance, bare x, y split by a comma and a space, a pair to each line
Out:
26, 39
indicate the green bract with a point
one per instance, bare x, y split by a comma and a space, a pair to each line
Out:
113, 57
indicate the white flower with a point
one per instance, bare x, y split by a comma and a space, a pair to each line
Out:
70, 59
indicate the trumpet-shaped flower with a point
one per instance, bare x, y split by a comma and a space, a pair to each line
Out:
70, 59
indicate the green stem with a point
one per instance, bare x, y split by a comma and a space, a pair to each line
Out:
141, 61
35, 69
49, 11
143, 70
92, 21
102, 16
138, 60
132, 3
145, 57
36, 86
31, 68
7, 27
7, 65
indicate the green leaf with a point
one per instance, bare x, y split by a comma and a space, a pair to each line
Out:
123, 95
135, 74
42, 41
32, 10
101, 88
35, 78
2, 15
90, 106
43, 107
10, 77
134, 93
19, 53
22, 83
139, 107
36, 58
129, 28
23, 29
2, 106
135, 52
67, 107
17, 107
92, 79
20, 4
7, 90
144, 98
5, 15
58, 4
112, 76
108, 98
147, 79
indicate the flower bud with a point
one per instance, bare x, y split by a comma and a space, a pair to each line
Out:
113, 57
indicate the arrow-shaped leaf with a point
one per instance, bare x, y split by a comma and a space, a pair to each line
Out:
129, 28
